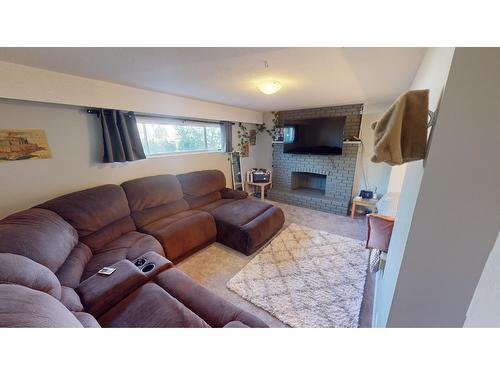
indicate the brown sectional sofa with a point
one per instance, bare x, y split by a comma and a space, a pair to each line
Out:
50, 254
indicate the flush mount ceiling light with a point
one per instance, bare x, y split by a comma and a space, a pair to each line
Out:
270, 86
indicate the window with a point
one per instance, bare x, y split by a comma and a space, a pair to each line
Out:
165, 136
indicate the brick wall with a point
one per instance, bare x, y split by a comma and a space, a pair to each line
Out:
338, 169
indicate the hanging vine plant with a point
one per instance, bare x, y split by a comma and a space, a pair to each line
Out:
244, 135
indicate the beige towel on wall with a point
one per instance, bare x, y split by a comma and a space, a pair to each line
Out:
401, 132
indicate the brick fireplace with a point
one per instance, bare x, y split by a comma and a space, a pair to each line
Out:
322, 182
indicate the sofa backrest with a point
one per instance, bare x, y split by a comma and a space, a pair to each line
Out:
152, 198
38, 234
202, 187
100, 215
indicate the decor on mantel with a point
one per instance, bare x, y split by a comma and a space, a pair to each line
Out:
121, 138
277, 132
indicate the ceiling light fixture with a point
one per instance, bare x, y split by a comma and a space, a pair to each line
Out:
271, 86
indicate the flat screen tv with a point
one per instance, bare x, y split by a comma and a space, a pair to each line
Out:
320, 136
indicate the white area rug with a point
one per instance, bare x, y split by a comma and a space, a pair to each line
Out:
307, 278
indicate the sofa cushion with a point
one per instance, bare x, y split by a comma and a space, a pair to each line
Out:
100, 215
17, 269
153, 198
149, 215
201, 183
197, 202
129, 246
38, 234
183, 233
21, 306
241, 211
151, 306
152, 191
247, 224
228, 193
212, 206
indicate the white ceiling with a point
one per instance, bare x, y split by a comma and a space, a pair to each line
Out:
311, 77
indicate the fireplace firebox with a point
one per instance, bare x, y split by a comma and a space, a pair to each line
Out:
309, 183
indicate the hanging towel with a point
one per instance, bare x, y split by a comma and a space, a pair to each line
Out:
401, 133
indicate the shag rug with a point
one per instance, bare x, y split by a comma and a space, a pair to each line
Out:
307, 278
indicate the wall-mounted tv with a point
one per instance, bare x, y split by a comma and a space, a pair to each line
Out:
320, 136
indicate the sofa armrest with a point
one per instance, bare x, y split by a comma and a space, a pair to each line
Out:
228, 193
99, 293
214, 310
235, 324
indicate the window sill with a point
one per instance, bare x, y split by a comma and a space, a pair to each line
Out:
187, 153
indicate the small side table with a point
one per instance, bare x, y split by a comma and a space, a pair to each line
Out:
262, 185
369, 203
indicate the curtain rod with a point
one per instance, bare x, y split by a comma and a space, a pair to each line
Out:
94, 111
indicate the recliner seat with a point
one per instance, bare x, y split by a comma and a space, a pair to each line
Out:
101, 217
158, 209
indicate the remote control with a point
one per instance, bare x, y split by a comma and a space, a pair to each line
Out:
106, 271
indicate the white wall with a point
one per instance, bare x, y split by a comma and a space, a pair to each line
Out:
396, 178
455, 220
75, 136
484, 310
434, 67
432, 74
377, 174
249, 162
27, 83
76, 142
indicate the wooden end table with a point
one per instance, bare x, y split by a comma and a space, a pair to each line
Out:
369, 203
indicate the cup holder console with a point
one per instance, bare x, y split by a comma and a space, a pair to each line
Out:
148, 267
151, 263
139, 262
142, 264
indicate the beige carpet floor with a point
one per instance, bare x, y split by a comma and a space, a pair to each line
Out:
215, 265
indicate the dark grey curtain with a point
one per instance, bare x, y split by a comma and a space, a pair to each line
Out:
120, 136
227, 135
